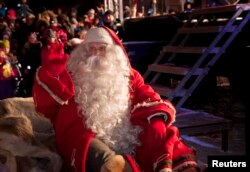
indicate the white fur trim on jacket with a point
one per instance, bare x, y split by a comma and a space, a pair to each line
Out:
148, 104
154, 103
163, 115
46, 88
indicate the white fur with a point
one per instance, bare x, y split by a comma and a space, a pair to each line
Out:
102, 92
27, 135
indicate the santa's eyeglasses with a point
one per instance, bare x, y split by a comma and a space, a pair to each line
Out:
94, 48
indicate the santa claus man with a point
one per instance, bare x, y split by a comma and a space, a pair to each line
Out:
105, 117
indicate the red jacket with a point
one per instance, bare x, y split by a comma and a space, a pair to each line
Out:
73, 138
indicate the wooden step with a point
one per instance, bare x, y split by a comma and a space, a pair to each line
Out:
165, 91
193, 50
173, 69
215, 10
192, 122
205, 29
168, 68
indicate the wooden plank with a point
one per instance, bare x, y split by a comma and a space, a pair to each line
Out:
162, 90
165, 91
170, 69
204, 29
192, 122
197, 119
191, 50
214, 10
234, 2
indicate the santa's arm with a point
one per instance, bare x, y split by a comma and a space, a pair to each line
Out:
53, 85
147, 104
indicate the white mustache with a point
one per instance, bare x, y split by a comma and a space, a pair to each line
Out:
97, 63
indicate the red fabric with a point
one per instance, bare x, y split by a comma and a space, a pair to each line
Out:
62, 85
142, 92
171, 153
63, 88
71, 135
156, 131
45, 104
115, 37
53, 58
60, 34
182, 153
11, 14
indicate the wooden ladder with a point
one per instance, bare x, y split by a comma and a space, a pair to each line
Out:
193, 51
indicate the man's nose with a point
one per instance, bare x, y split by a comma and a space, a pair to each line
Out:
96, 52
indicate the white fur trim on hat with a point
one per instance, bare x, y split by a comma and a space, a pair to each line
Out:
98, 34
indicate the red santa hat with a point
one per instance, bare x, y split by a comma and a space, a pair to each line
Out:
98, 34
104, 35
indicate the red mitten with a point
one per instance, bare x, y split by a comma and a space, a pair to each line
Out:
53, 58
156, 132
53, 76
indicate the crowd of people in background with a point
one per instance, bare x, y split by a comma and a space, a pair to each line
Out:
23, 33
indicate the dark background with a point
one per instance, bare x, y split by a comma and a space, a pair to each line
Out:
38, 5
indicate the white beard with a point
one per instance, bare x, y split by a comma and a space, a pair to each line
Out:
102, 92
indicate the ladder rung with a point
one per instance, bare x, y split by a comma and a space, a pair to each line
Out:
205, 29
167, 68
214, 10
194, 50
165, 91
172, 69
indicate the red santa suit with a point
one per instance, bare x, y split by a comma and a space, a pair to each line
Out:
54, 98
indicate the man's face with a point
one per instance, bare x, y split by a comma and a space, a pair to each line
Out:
32, 37
97, 49
91, 14
23, 1
109, 18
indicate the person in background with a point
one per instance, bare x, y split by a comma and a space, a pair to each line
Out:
30, 60
106, 119
90, 18
23, 9
100, 11
6, 74
110, 20
212, 3
188, 6
126, 12
52, 24
78, 39
2, 9
112, 23
73, 14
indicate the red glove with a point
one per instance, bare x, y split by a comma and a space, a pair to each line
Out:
53, 58
156, 132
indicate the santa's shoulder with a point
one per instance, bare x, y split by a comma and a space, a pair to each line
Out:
134, 73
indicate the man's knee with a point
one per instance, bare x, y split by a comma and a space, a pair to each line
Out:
101, 158
116, 164
98, 154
